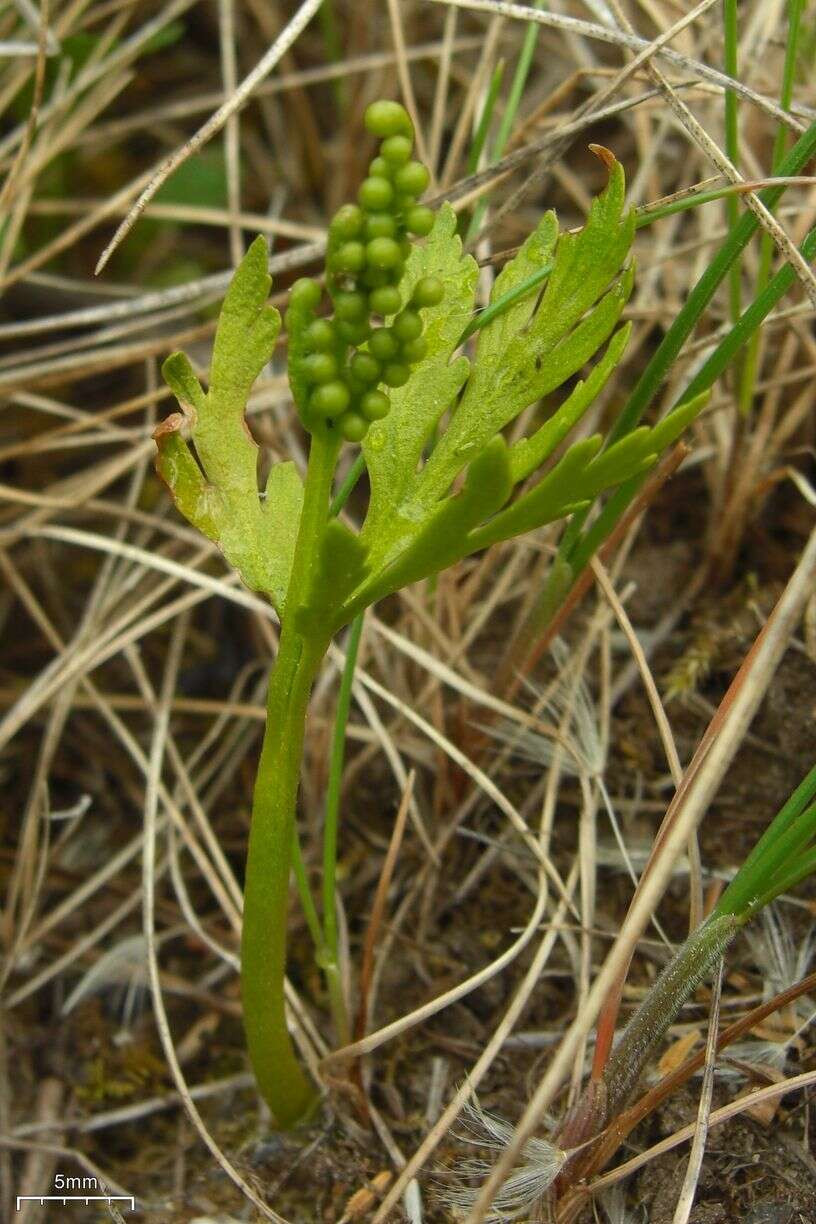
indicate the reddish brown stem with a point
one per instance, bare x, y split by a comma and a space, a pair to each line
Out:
515, 665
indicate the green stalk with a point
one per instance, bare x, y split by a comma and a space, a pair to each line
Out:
732, 144
281, 1080
482, 129
485, 119
684, 972
750, 367
324, 937
327, 940
338, 752
523, 66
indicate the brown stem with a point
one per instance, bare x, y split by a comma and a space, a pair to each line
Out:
527, 648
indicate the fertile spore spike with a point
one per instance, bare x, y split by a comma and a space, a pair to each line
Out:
342, 359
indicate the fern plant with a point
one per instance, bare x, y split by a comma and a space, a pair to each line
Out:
382, 370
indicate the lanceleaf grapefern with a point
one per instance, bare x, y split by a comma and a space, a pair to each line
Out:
381, 370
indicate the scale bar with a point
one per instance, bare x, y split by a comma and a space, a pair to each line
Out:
42, 1199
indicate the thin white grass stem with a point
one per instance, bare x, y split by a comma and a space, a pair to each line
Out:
420, 1014
439, 108
77, 949
607, 34
95, 70
216, 121
404, 77
486, 1058
66, 1153
664, 730
695, 1162
733, 1110
392, 755
46, 45
144, 303
485, 783
697, 132
186, 107
232, 127
94, 882
128, 1114
192, 214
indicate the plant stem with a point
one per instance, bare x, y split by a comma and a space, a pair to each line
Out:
338, 751
605, 1096
281, 1080
681, 976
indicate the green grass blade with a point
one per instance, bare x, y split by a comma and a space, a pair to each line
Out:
347, 487
751, 364
669, 348
752, 878
525, 287
804, 866
485, 119
523, 66
702, 293
731, 67
748, 325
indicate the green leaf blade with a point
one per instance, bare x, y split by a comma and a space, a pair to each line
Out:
586, 262
244, 341
530, 453
514, 366
394, 446
256, 536
176, 466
